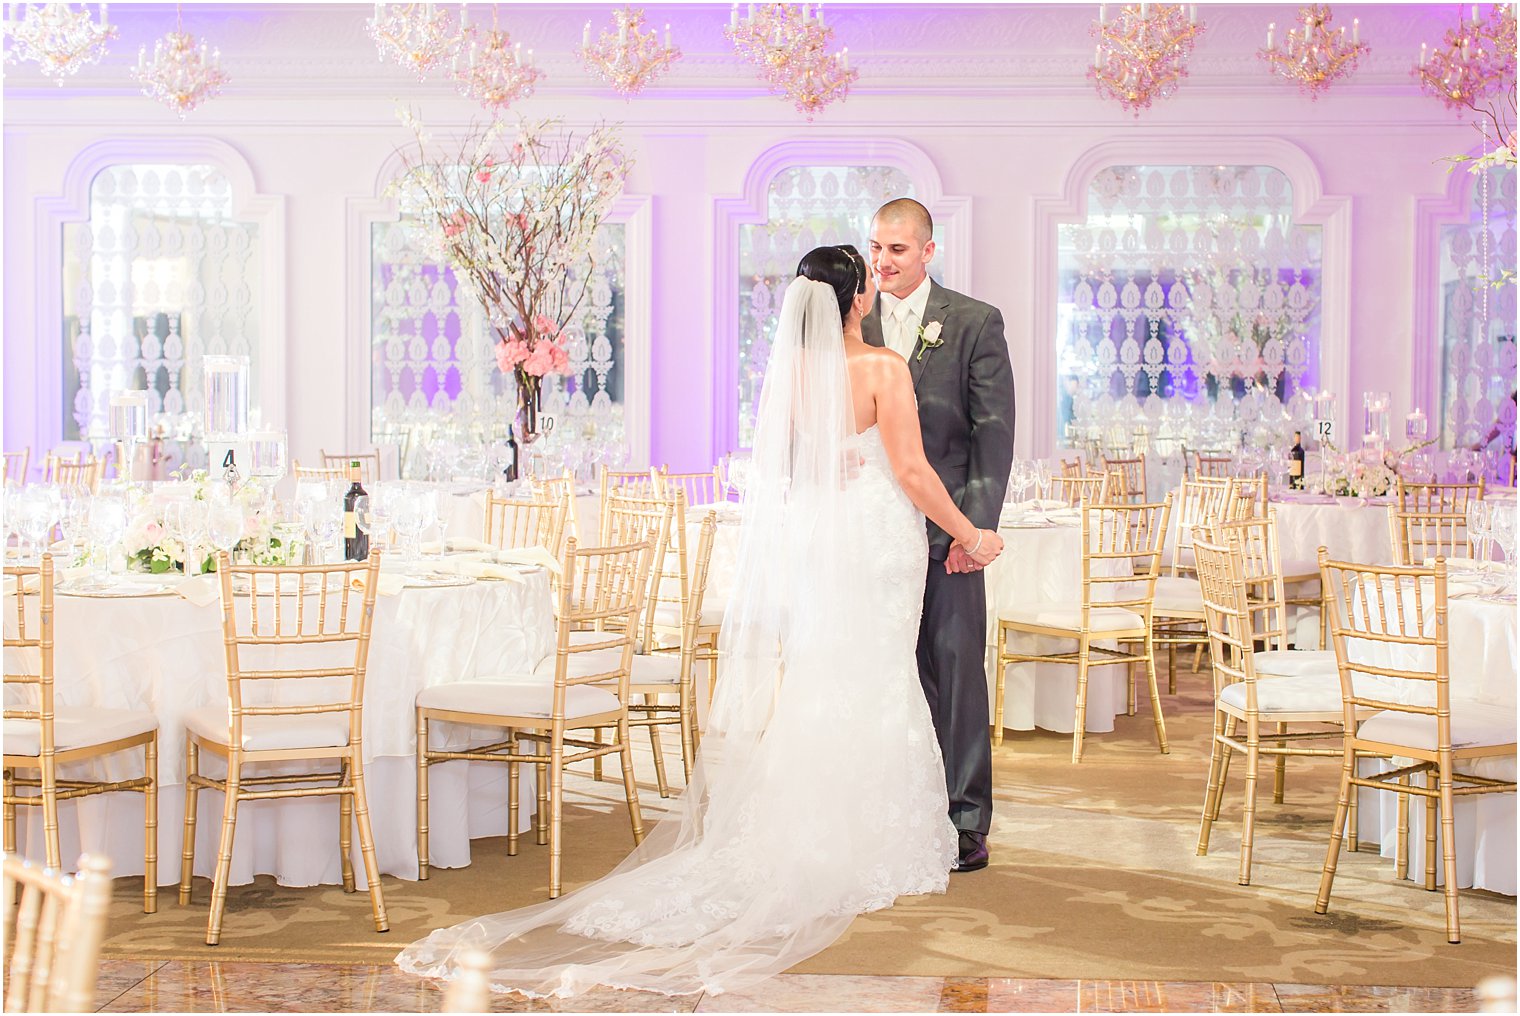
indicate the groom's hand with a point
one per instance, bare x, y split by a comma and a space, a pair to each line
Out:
958, 562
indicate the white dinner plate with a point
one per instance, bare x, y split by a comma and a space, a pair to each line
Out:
119, 591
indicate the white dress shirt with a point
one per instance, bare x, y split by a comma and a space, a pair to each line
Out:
901, 318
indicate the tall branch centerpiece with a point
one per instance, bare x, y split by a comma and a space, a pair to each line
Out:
516, 217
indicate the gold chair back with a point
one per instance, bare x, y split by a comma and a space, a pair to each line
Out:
513, 522
628, 519
54, 924
1232, 636
1073, 467
1133, 533
1074, 489
83, 473
324, 473
369, 464
1206, 465
29, 649
1429, 520
562, 489
699, 488
1254, 539
17, 465
1200, 502
1131, 472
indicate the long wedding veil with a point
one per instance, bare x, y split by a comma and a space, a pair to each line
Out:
744, 877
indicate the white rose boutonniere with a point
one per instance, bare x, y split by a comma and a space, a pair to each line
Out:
928, 338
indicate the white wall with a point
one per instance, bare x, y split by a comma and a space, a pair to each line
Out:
992, 94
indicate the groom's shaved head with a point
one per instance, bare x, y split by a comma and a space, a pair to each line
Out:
910, 212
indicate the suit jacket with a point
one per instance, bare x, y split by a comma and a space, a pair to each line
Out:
965, 404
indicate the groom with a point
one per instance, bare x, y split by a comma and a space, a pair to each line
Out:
958, 357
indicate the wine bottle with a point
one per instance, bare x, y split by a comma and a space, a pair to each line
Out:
355, 543
1296, 462
511, 469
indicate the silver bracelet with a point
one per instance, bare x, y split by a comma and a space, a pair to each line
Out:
979, 534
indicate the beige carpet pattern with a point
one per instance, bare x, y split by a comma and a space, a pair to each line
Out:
1094, 875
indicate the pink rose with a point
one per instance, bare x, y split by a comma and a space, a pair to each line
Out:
154, 531
540, 361
509, 353
561, 358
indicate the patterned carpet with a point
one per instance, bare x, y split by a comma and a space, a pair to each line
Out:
1094, 875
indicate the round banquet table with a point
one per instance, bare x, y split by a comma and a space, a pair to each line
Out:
1483, 665
164, 654
462, 511
1041, 563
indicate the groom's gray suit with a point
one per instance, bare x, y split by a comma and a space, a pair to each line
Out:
965, 408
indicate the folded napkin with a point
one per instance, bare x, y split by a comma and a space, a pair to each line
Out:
389, 585
476, 568
200, 590
530, 555
1458, 565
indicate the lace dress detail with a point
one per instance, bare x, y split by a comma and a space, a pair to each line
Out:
840, 810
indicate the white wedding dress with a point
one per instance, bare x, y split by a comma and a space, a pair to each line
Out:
819, 791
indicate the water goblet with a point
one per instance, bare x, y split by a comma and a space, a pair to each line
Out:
224, 524
36, 514
107, 525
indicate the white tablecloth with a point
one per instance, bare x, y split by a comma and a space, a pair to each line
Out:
166, 655
1351, 529
1043, 564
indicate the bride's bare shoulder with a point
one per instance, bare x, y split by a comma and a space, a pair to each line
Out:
878, 360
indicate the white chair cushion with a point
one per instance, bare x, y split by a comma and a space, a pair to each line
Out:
661, 668
589, 638
1178, 594
1051, 615
271, 733
532, 697
77, 727
1296, 662
1303, 694
669, 615
1473, 724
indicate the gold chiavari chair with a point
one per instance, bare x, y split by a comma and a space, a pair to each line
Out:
1179, 600
1073, 467
602, 586
657, 675
54, 924
627, 482
513, 522
41, 736
63, 473
1131, 470
562, 488
1240, 697
1388, 625
699, 488
1205, 465
319, 615
17, 464
1121, 559
369, 464
1076, 489
1429, 520
324, 473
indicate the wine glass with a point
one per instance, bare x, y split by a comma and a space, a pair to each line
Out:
185, 522
1479, 524
1502, 529
36, 514
410, 521
108, 523
375, 517
326, 522
224, 524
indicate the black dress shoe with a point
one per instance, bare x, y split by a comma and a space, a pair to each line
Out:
973, 853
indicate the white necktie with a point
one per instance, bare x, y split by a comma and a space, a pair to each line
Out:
902, 330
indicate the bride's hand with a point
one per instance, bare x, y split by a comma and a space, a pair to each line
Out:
988, 550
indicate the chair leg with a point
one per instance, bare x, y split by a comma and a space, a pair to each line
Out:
514, 795
10, 812
630, 788
1401, 847
1352, 832
1215, 789
1171, 668
688, 731
1433, 782
657, 748
556, 792
192, 795
1197, 657
1280, 769
224, 854
541, 817
1248, 825
367, 844
1000, 688
50, 816
1079, 723
596, 763
1230, 726
1337, 826
346, 830
150, 826
422, 796
1449, 854
1150, 673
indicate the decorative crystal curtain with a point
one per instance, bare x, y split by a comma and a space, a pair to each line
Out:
1188, 290
432, 352
1478, 316
160, 275
806, 207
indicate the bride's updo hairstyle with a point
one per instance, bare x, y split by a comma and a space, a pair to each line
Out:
840, 267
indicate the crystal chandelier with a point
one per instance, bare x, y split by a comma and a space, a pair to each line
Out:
416, 36
181, 75
1314, 55
629, 58
1477, 63
789, 44
59, 38
493, 70
1142, 54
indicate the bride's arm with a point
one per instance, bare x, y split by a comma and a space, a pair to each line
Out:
897, 419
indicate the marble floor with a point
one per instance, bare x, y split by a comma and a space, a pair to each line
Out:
182, 986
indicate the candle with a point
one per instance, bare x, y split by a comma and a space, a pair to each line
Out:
142, 59
622, 32
1356, 30
845, 58
1271, 28
819, 15
1103, 14
806, 14
105, 18
733, 16
1192, 14
1475, 13
1415, 426
1143, 9
586, 37
1423, 49
1098, 57
464, 15
667, 36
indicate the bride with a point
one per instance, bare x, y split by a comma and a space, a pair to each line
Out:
819, 791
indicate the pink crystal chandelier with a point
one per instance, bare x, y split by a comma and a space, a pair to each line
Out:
789, 45
492, 69
1142, 54
627, 57
417, 36
1476, 63
1314, 55
60, 39
182, 74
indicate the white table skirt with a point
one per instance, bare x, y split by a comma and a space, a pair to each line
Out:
1044, 566
165, 655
